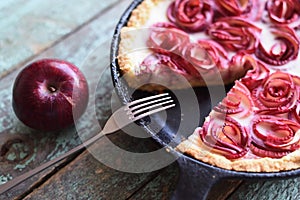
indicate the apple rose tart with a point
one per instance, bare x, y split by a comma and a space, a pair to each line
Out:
253, 44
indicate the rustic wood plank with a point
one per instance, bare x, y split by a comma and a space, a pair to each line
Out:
29, 27
87, 178
161, 187
223, 189
268, 190
164, 184
35, 147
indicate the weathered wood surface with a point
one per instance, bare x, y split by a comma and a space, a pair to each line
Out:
87, 178
29, 27
268, 190
34, 147
82, 35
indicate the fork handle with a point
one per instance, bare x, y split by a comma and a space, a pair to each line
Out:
12, 183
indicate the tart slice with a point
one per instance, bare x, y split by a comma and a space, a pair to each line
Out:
253, 44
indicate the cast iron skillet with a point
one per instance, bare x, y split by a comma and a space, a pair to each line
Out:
196, 177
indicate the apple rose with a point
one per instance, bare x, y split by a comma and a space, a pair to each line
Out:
246, 8
278, 94
284, 46
294, 114
172, 61
166, 37
284, 11
235, 34
190, 15
256, 71
237, 102
225, 136
274, 137
205, 55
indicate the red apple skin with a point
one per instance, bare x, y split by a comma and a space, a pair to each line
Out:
50, 94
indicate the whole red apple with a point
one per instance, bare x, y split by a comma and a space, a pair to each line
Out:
50, 94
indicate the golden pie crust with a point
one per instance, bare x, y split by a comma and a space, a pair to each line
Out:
193, 146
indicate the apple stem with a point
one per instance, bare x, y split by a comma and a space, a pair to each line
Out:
52, 89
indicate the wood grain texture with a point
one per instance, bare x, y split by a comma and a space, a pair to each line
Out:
87, 178
28, 27
268, 190
26, 148
223, 189
161, 187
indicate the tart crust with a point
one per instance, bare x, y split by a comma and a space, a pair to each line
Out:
128, 66
195, 148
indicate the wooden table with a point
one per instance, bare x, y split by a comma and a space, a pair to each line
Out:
80, 31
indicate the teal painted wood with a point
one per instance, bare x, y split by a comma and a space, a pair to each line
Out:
28, 27
88, 179
269, 190
34, 147
161, 187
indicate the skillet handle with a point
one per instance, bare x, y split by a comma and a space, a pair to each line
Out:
195, 180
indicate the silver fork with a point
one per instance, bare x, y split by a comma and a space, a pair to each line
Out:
125, 115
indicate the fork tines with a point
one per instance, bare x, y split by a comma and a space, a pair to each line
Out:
149, 105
